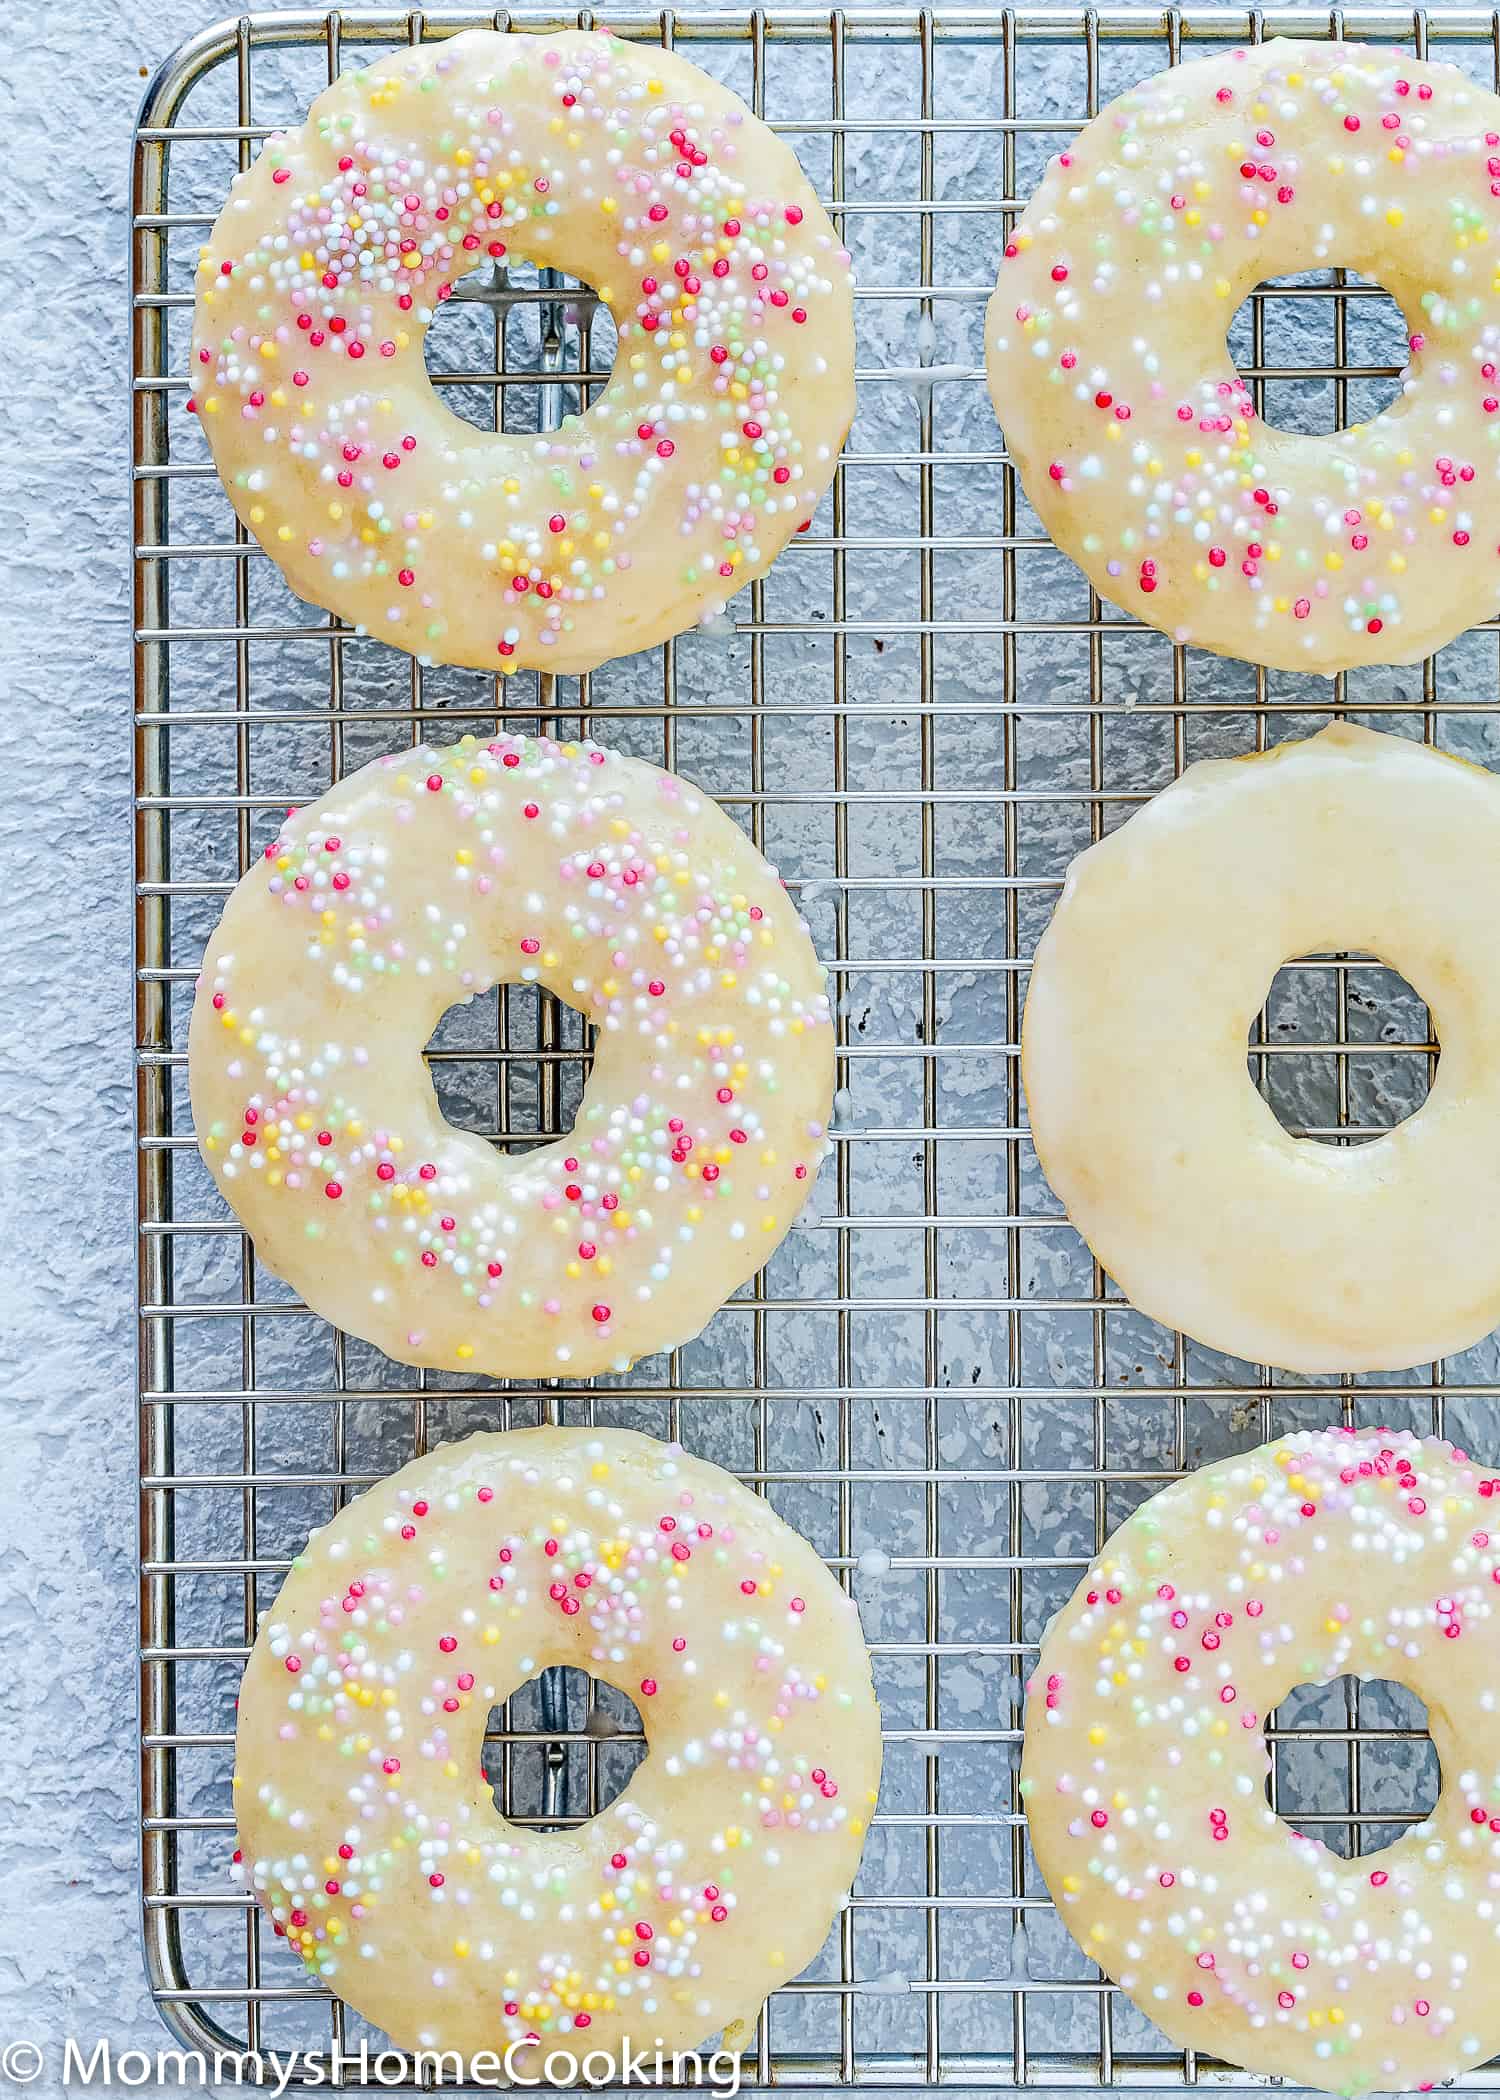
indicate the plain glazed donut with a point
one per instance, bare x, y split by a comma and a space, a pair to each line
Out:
626, 167
1137, 439
370, 1834
1145, 985
1375, 1554
420, 881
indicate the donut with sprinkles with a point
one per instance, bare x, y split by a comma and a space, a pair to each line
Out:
626, 168
416, 884
367, 1827
1371, 1553
1138, 441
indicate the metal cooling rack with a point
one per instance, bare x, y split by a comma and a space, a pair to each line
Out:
922, 713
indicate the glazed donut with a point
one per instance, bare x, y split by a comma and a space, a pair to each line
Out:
719, 430
1138, 441
420, 881
368, 1830
1326, 1553
1158, 958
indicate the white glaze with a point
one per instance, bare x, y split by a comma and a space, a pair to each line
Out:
1323, 1554
672, 1913
621, 165
1158, 958
420, 881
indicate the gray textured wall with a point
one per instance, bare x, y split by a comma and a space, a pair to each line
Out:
73, 75
68, 1941
72, 79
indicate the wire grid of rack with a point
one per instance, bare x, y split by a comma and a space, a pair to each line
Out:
921, 714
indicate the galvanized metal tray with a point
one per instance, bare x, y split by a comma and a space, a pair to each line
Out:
920, 715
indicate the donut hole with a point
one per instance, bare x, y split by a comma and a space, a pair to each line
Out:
511, 1066
1291, 333
1343, 1049
1352, 1763
493, 346
561, 1748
